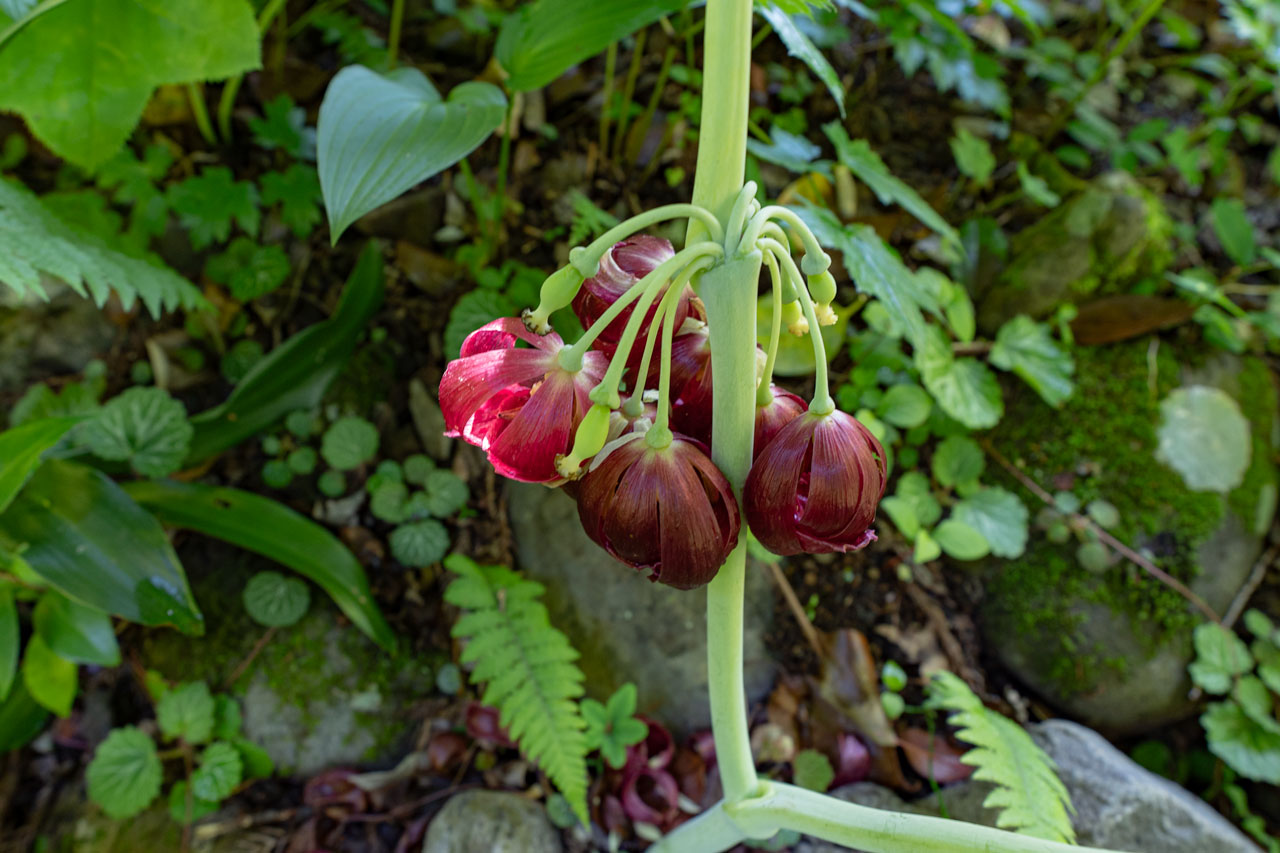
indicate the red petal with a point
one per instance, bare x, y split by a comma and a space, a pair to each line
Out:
469, 382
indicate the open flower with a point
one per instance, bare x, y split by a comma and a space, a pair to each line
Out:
518, 405
622, 267
782, 409
668, 510
814, 487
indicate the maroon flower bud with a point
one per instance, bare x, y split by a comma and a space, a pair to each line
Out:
622, 267
651, 796
690, 382
517, 405
855, 760
815, 486
782, 409
668, 510
655, 751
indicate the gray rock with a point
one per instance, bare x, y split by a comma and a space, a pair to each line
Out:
1119, 805
491, 822
414, 217
55, 337
428, 421
627, 628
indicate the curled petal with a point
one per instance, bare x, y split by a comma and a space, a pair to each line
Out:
621, 268
784, 408
651, 796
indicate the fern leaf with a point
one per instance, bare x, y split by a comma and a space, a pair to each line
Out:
35, 242
528, 670
1031, 798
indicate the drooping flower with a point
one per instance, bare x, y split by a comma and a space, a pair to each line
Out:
519, 405
668, 510
691, 381
783, 408
814, 487
621, 267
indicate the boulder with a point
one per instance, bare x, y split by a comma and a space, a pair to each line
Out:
491, 822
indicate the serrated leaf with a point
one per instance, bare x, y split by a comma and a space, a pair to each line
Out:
1037, 188
446, 493
1031, 798
49, 677
791, 151
145, 426
999, 517
1220, 657
802, 47
958, 459
34, 242
75, 631
867, 166
284, 126
210, 202
905, 405
960, 541
92, 65
973, 156
188, 712
1251, 750
812, 770
378, 135
20, 452
545, 38
349, 443
125, 773
276, 601
183, 810
297, 191
1025, 347
419, 543
219, 772
249, 270
257, 762
1234, 230
965, 388
1203, 436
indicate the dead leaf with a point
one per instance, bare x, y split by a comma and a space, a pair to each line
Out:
1125, 316
933, 757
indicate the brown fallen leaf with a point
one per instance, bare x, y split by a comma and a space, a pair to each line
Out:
1125, 316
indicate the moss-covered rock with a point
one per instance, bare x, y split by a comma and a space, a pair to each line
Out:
1112, 648
318, 693
1108, 236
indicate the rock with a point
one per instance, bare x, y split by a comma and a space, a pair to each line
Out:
625, 627
1119, 805
39, 338
1113, 233
318, 694
1111, 649
414, 217
428, 422
491, 822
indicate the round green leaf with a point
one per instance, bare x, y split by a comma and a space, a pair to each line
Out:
240, 359
958, 460
188, 712
1204, 437
812, 770
1093, 557
446, 493
178, 804
1248, 748
999, 516
906, 406
219, 773
125, 773
349, 443
419, 543
960, 541
277, 474
387, 501
417, 468
332, 484
275, 600
301, 461
145, 426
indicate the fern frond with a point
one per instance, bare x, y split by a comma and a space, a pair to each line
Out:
1031, 798
527, 668
34, 242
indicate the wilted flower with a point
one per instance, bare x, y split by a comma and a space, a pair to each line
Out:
814, 487
669, 510
783, 408
519, 405
621, 268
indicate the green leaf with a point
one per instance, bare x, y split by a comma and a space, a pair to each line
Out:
419, 543
284, 126
812, 770
276, 532
1093, 557
1234, 230
1251, 750
1104, 513
999, 517
188, 712
791, 151
1036, 188
21, 718
49, 677
958, 459
417, 468
208, 203
276, 601
446, 493
1255, 700
795, 354
226, 716
178, 805
1028, 793
926, 547
960, 541
800, 46
964, 387
76, 631
20, 452
906, 406
91, 65
612, 727
296, 374
379, 135
867, 166
145, 426
1025, 347
125, 773
349, 443
249, 270
219, 773
34, 242
10, 641
257, 763
545, 38
1204, 437
87, 537
1220, 657
914, 488
902, 514
472, 311
973, 156
297, 191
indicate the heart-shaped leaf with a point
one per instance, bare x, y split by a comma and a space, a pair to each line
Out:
378, 135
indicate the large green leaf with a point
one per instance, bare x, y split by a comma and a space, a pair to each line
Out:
1204, 437
81, 73
276, 532
21, 718
965, 388
76, 631
378, 135
85, 536
547, 37
802, 47
1026, 347
296, 374
20, 452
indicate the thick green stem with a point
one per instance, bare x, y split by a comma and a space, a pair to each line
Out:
641, 221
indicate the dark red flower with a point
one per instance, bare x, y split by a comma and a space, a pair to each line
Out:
783, 408
690, 382
668, 510
517, 404
814, 487
622, 267
651, 796
855, 760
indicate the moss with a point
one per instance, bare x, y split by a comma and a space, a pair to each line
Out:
1258, 401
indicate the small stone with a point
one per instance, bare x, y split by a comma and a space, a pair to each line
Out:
491, 822
428, 420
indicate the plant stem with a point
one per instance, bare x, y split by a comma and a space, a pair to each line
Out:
227, 100
628, 92
610, 69
195, 95
393, 36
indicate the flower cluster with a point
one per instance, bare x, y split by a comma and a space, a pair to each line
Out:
641, 471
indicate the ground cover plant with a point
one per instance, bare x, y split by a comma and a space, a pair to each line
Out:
689, 420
